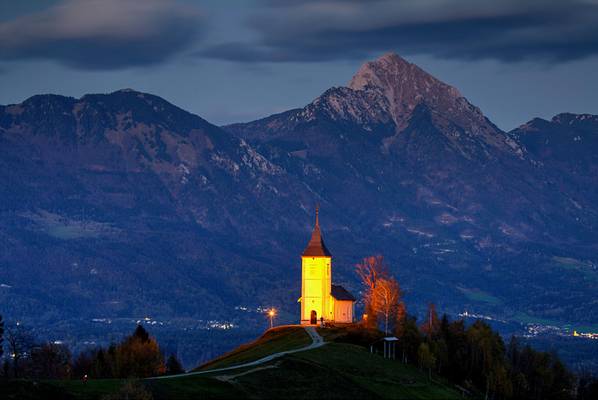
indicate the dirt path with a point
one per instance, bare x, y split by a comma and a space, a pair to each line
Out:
317, 341
229, 378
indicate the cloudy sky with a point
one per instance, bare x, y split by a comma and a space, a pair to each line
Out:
232, 61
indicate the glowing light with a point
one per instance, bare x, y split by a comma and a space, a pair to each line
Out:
271, 314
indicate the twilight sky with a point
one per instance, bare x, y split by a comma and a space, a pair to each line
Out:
231, 61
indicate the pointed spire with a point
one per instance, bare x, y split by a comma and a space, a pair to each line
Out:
316, 246
317, 214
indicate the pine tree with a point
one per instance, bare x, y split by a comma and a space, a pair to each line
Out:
400, 322
401, 315
426, 359
139, 356
141, 334
431, 326
173, 366
410, 340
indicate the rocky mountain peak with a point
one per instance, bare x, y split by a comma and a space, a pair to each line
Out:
404, 85
391, 71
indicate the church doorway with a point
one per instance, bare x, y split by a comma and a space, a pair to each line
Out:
314, 317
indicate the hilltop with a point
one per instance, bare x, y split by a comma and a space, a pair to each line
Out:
346, 368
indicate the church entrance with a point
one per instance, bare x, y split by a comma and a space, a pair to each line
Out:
314, 317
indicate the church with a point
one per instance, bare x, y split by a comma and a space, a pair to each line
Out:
320, 299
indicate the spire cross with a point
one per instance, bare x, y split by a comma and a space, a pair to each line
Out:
317, 214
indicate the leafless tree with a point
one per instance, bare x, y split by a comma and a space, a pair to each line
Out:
20, 341
370, 270
386, 297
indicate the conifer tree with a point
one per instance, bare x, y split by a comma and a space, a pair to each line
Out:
399, 330
426, 359
139, 356
431, 325
401, 315
173, 366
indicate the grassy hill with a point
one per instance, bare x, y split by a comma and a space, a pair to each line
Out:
272, 341
339, 369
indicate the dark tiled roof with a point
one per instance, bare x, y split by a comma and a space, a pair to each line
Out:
340, 293
316, 246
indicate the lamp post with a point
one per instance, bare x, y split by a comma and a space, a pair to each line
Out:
271, 314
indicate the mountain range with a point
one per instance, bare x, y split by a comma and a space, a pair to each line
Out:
122, 204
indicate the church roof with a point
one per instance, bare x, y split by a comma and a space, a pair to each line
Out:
340, 293
316, 246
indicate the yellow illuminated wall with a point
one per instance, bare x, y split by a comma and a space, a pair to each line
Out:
315, 288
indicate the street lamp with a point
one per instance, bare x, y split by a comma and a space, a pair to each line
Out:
271, 314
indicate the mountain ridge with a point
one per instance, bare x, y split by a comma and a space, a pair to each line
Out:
113, 195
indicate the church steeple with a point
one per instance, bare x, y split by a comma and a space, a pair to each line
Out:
316, 246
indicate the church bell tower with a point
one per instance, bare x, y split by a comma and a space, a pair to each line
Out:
316, 279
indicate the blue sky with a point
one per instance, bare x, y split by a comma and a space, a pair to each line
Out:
232, 61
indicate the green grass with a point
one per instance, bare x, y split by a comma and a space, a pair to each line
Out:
341, 371
63, 228
21, 389
573, 264
67, 232
192, 387
371, 373
586, 328
530, 319
273, 341
92, 389
479, 296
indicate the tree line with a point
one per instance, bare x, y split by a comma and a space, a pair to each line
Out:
136, 356
475, 357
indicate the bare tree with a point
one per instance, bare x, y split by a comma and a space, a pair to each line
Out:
370, 270
20, 342
386, 297
51, 361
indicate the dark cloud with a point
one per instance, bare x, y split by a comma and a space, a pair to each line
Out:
102, 34
505, 30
